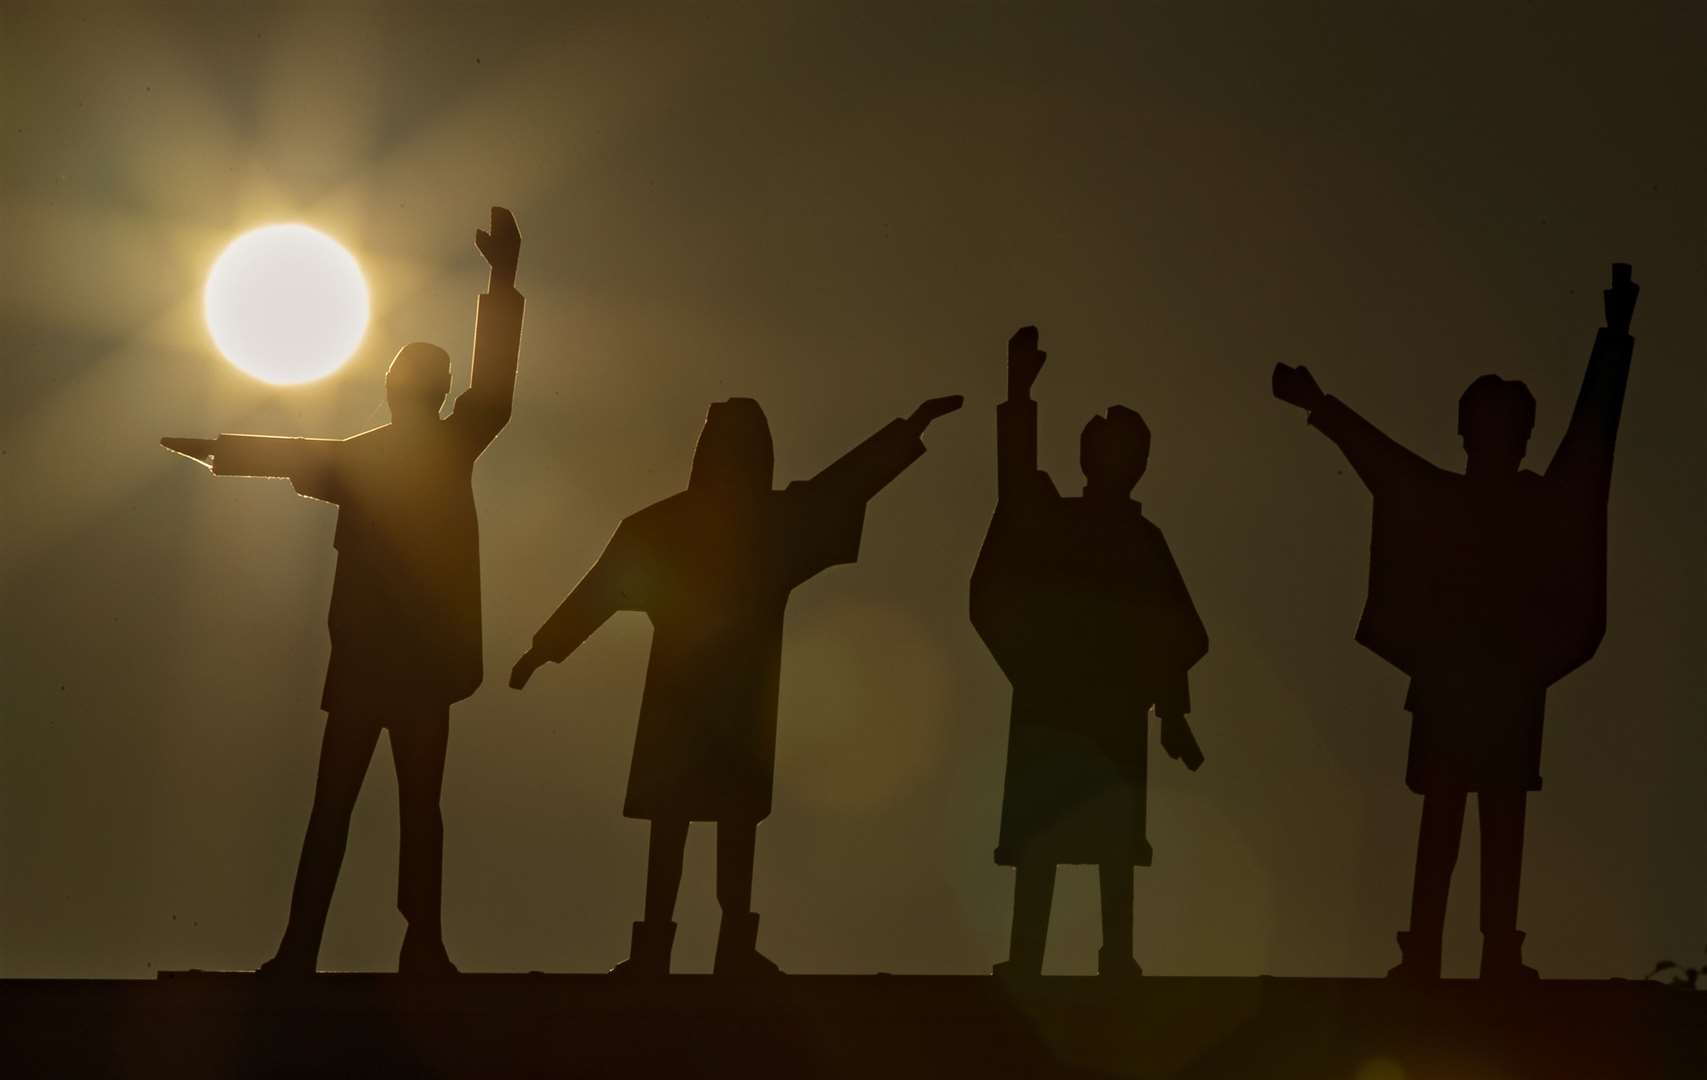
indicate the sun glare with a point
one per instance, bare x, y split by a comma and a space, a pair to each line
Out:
286, 303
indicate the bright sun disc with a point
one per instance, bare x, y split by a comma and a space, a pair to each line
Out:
286, 303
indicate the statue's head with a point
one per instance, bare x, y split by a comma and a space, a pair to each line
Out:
417, 382
1114, 449
733, 455
1495, 417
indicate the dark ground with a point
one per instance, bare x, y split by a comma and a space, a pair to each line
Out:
223, 1025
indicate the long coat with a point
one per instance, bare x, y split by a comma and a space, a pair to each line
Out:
405, 612
1487, 591
1081, 603
713, 571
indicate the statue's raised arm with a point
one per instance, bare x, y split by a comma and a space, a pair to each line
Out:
1585, 453
868, 468
484, 408
1016, 418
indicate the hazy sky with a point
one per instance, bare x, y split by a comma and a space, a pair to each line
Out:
838, 211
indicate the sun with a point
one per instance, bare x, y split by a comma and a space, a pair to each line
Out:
286, 304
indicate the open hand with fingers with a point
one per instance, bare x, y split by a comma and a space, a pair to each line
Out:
502, 247
1025, 361
1621, 299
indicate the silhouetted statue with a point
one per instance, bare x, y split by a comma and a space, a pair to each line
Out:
712, 567
1485, 587
405, 616
1080, 602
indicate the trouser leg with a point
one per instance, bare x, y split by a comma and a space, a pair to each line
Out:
737, 843
1437, 854
664, 869
655, 935
418, 744
1034, 893
738, 932
1115, 882
1502, 815
345, 750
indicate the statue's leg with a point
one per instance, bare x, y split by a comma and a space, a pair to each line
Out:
1502, 816
418, 744
346, 747
1437, 854
664, 869
737, 845
655, 935
1034, 894
1115, 882
738, 935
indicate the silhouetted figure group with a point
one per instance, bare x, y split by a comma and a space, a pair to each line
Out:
1484, 587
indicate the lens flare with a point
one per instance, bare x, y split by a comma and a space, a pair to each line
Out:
286, 304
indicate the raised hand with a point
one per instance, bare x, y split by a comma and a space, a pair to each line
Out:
1296, 386
1025, 360
501, 247
1621, 299
934, 407
199, 449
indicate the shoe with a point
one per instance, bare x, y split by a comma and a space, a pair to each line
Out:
424, 957
648, 950
1116, 966
1502, 958
1421, 958
1015, 971
289, 962
285, 966
737, 954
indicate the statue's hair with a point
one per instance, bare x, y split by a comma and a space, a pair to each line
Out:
1507, 401
1120, 437
418, 370
734, 448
